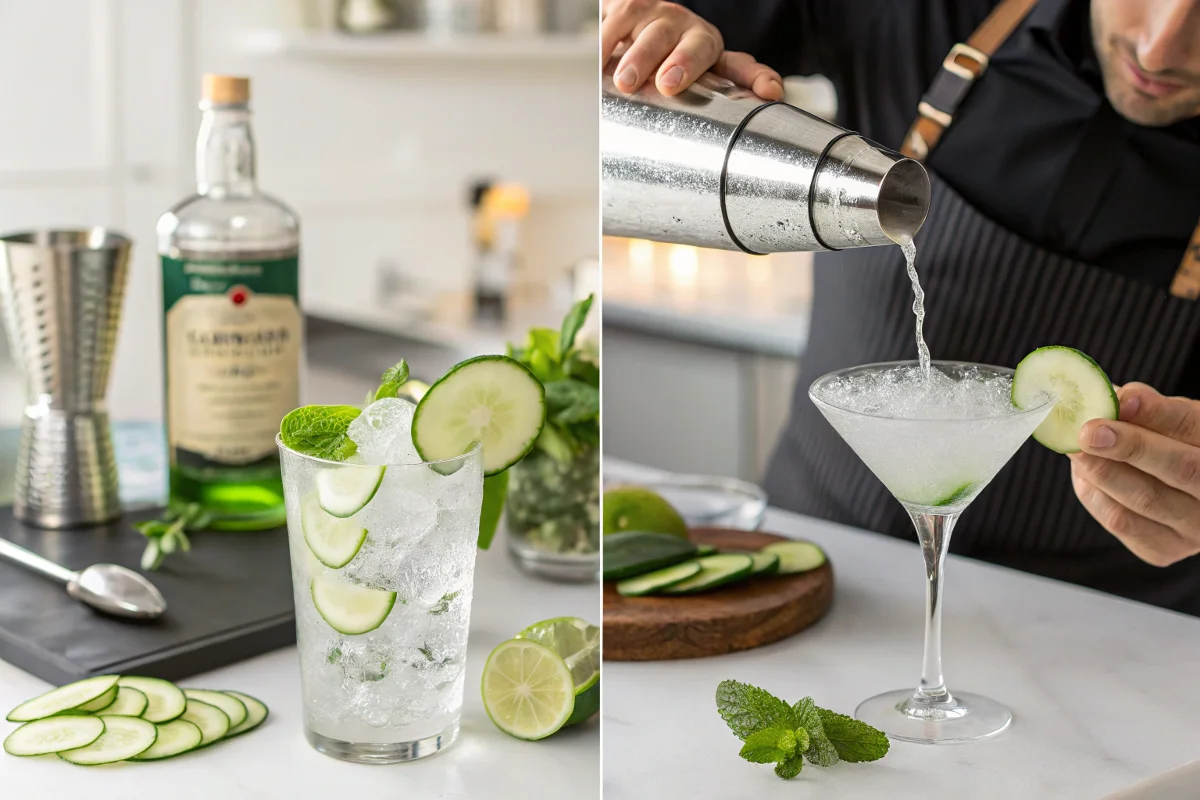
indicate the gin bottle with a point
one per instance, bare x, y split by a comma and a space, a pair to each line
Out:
232, 330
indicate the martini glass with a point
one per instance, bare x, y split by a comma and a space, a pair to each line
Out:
935, 445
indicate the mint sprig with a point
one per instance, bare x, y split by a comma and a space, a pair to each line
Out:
393, 378
775, 733
165, 536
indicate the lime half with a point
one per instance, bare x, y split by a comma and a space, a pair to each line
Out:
527, 689
578, 643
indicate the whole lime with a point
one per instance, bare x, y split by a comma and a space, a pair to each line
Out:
632, 508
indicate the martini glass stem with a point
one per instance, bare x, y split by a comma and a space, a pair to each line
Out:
934, 532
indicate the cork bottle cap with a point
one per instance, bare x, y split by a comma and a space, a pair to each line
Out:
226, 90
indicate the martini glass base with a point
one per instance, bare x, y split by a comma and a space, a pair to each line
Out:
904, 715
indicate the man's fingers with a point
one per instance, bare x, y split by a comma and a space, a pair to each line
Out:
652, 45
620, 19
1177, 418
1139, 492
1151, 542
742, 69
697, 51
1172, 462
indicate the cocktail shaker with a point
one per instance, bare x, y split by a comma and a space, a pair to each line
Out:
60, 295
716, 166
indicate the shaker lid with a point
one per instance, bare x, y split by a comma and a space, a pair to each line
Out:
226, 89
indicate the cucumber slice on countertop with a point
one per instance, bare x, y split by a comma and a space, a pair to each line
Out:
1084, 393
659, 579
123, 738
706, 550
495, 400
52, 734
715, 571
344, 491
631, 553
796, 557
256, 713
234, 709
166, 700
174, 737
100, 703
335, 541
63, 698
212, 721
129, 703
348, 608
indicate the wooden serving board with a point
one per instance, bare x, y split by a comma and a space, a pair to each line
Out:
740, 616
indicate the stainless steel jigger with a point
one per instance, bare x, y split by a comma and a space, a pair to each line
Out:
61, 294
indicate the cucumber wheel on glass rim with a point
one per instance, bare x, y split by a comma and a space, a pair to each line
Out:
1081, 389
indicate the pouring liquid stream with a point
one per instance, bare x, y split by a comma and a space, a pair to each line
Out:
909, 248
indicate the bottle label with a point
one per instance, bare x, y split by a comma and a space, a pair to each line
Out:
233, 341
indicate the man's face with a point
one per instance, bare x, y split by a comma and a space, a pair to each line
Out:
1150, 55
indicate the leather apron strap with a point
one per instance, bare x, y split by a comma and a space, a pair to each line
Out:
965, 64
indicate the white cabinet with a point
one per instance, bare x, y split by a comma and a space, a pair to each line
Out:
91, 113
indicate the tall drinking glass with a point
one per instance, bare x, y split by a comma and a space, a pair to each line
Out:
935, 445
383, 600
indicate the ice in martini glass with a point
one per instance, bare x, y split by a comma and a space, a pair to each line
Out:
935, 444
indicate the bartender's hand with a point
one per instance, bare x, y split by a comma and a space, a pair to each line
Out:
1140, 476
675, 46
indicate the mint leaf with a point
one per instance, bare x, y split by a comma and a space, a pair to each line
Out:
803, 740
582, 367
320, 431
820, 751
568, 402
854, 741
495, 492
393, 378
551, 441
443, 605
789, 767
572, 322
763, 747
747, 709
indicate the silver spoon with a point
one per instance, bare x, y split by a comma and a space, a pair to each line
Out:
110, 588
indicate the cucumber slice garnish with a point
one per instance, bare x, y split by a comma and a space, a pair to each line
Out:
344, 491
765, 563
351, 609
165, 700
174, 737
628, 554
100, 703
335, 541
234, 709
256, 713
715, 571
495, 400
706, 550
659, 579
123, 738
64, 698
796, 557
1082, 390
129, 703
212, 721
52, 734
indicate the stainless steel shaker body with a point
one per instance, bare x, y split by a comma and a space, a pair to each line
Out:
716, 166
60, 295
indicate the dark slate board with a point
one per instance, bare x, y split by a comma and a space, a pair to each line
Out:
229, 599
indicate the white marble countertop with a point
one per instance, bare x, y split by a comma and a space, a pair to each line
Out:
276, 761
1105, 692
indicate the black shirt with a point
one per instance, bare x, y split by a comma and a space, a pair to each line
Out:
1035, 146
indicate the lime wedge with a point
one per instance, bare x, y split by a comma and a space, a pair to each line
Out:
578, 643
527, 689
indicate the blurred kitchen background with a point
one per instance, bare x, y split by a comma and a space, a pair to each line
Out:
381, 122
701, 346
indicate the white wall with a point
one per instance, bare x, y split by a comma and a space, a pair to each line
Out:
98, 119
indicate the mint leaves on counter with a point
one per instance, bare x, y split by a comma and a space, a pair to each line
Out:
165, 536
775, 733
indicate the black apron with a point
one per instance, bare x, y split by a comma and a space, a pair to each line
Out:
993, 298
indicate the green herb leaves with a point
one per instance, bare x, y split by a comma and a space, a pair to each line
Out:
571, 375
392, 380
167, 535
775, 733
320, 431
